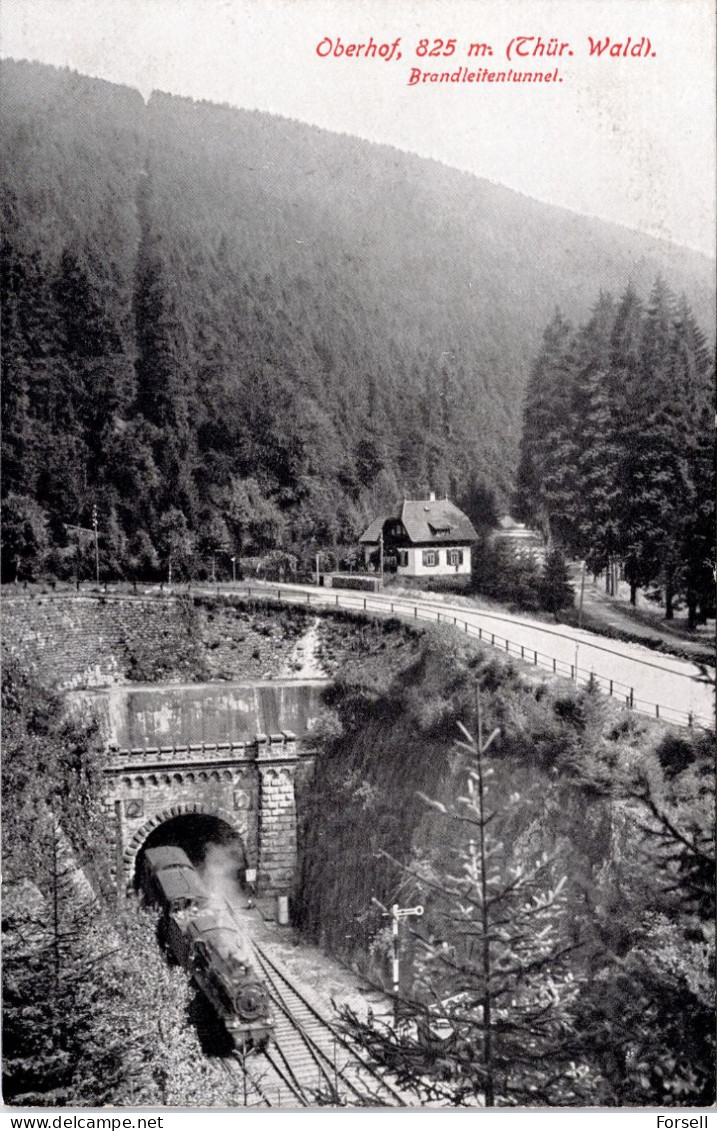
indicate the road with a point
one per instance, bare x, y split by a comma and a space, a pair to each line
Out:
655, 683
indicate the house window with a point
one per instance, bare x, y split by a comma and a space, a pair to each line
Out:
455, 557
430, 557
402, 557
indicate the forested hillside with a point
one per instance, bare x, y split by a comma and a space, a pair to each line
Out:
230, 332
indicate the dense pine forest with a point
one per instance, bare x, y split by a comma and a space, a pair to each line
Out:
231, 333
617, 454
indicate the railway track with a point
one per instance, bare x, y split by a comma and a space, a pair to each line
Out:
248, 1086
258, 1081
308, 1063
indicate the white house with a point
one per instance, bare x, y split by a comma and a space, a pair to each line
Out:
423, 538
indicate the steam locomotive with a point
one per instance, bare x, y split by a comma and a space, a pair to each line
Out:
203, 938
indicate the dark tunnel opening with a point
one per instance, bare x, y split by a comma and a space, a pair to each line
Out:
214, 848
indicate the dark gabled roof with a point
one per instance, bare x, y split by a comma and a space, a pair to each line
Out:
372, 534
436, 521
426, 521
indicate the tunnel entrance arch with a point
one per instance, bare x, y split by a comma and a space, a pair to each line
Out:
250, 789
211, 838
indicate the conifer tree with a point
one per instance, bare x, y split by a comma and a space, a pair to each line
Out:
20, 462
655, 486
25, 537
625, 371
490, 1020
693, 386
666, 495
593, 401
545, 423
166, 363
555, 590
647, 1008
698, 541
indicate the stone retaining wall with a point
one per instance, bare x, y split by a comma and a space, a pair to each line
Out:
76, 641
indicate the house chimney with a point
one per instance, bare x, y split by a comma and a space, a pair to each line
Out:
432, 497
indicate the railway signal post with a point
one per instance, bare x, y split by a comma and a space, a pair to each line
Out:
397, 913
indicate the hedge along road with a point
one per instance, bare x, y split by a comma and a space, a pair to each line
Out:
653, 683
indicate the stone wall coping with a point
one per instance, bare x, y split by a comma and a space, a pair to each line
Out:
149, 767
116, 769
265, 748
195, 748
133, 687
97, 598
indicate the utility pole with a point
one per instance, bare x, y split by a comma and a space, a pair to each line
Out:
380, 550
55, 900
97, 545
234, 570
78, 551
582, 593
78, 531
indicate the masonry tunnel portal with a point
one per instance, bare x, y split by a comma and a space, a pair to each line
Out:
207, 766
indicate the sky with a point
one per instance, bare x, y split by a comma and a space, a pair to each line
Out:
628, 139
